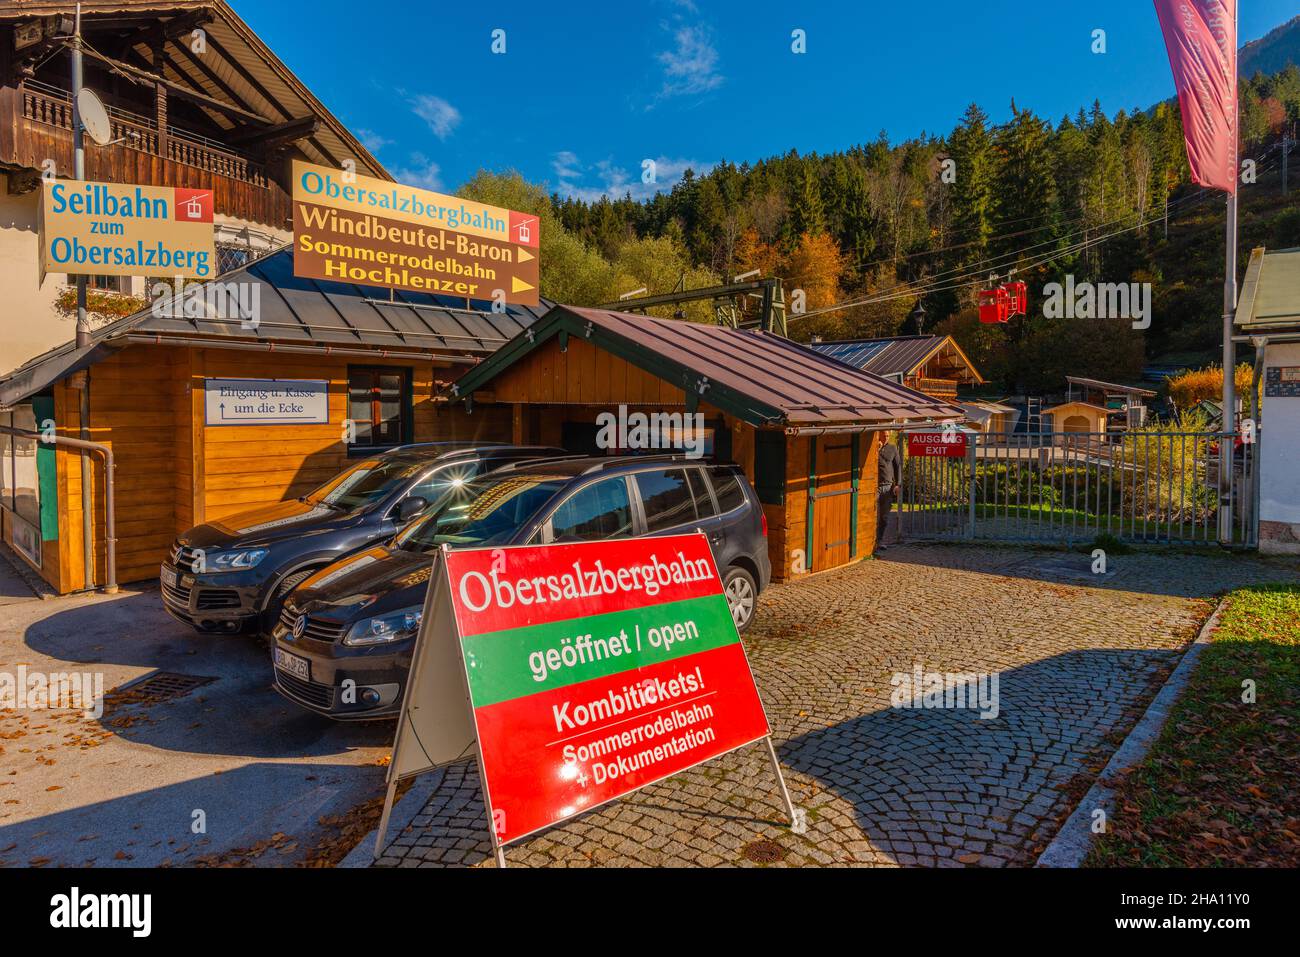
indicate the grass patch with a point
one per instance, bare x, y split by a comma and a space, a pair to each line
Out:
1219, 788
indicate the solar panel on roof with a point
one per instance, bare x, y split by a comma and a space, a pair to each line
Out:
856, 354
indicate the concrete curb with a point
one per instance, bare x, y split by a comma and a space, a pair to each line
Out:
1074, 839
404, 812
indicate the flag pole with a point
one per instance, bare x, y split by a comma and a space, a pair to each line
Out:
1229, 424
1229, 377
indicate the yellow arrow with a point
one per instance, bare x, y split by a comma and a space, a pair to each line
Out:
518, 285
525, 255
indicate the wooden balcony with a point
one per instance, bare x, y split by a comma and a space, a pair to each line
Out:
36, 124
935, 388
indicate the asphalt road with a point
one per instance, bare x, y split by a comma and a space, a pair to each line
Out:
228, 767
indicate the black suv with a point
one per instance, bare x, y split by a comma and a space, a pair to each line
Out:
231, 575
356, 621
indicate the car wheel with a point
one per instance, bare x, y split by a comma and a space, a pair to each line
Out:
276, 604
742, 596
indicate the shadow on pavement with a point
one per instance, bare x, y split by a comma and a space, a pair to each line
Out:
239, 808
985, 791
1180, 573
237, 714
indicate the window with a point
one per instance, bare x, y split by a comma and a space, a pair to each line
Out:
365, 483
231, 257
667, 499
107, 283
726, 485
379, 403
602, 510
20, 484
484, 511
434, 485
769, 466
703, 500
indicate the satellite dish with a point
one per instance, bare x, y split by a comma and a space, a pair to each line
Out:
94, 118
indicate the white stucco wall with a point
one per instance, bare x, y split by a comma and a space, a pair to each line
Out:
1279, 475
28, 323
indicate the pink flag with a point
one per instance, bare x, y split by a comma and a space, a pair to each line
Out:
1201, 36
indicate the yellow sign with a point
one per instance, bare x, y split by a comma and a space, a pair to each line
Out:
358, 229
120, 229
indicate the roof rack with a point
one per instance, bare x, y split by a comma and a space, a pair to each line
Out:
532, 463
640, 459
446, 443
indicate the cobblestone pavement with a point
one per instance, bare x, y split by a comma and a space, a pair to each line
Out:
1078, 658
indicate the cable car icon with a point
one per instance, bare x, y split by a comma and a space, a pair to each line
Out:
192, 208
525, 233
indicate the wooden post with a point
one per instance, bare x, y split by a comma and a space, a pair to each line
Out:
160, 99
517, 423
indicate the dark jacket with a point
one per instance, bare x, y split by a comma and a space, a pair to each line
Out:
890, 465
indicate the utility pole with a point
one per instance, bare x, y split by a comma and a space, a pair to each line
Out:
83, 325
79, 167
1286, 148
1226, 449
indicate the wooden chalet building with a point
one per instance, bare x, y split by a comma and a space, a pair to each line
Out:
935, 365
805, 429
195, 98
230, 118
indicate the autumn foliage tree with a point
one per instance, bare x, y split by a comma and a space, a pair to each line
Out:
1189, 388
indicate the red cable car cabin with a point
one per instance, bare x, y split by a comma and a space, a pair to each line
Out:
1019, 295
995, 305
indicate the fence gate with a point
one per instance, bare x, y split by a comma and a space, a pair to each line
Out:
1072, 487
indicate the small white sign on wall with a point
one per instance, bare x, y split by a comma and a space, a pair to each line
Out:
266, 401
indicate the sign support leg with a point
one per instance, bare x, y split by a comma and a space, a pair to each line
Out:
383, 818
780, 779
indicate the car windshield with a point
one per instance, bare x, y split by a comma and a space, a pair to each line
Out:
488, 511
367, 482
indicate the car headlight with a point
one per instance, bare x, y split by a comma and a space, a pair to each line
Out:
393, 626
234, 561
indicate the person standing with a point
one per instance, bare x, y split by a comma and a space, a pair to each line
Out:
889, 478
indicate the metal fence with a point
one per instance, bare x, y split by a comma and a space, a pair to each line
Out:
1149, 486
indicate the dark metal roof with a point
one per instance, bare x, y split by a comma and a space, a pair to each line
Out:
306, 312
1107, 386
763, 378
897, 356
34, 378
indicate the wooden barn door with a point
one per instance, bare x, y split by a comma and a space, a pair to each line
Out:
833, 504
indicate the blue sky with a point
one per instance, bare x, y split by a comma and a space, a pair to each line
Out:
585, 92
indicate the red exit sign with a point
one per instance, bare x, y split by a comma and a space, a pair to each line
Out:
949, 444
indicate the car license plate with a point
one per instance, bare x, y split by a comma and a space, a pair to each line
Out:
168, 577
298, 667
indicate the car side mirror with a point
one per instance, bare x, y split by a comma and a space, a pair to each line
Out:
410, 507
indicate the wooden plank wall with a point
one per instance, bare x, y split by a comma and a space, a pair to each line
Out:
131, 411
248, 466
584, 375
577, 384
173, 472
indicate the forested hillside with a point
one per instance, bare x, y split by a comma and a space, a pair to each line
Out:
883, 226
